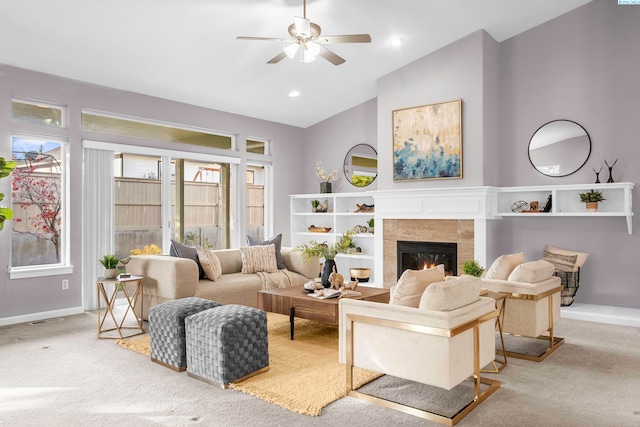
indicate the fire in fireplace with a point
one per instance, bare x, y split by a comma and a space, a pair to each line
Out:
420, 255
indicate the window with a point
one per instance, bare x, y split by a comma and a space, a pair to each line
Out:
202, 214
38, 196
37, 113
113, 125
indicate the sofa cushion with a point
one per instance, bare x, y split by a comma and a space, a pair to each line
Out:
532, 272
581, 256
275, 240
412, 284
259, 259
560, 262
210, 263
179, 250
451, 294
504, 265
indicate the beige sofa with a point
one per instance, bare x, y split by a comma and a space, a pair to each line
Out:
169, 278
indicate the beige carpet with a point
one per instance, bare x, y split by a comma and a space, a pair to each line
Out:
304, 374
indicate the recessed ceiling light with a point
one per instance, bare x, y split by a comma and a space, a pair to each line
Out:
294, 93
396, 42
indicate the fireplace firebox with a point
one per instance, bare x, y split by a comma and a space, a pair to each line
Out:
419, 255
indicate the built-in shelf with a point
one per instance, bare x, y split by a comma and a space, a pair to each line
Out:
566, 201
341, 217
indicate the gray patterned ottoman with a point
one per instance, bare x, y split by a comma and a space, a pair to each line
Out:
227, 343
166, 330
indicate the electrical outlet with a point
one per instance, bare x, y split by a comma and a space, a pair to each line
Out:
65, 284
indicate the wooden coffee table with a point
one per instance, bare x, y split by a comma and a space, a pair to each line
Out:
295, 302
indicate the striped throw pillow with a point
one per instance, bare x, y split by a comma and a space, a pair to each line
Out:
259, 259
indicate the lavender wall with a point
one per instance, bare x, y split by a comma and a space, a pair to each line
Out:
582, 66
330, 140
455, 71
26, 296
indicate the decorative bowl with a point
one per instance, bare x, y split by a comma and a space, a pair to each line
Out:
362, 274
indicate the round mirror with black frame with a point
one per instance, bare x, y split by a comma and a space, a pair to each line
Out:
361, 165
559, 148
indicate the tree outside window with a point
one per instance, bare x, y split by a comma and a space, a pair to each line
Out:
37, 202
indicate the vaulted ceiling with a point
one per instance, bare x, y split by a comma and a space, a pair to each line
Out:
187, 51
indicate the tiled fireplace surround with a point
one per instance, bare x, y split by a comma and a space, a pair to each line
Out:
452, 215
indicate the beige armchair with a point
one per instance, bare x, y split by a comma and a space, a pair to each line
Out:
532, 305
438, 348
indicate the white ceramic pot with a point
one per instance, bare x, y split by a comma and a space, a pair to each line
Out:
111, 273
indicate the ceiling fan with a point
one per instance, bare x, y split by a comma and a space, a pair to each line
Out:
305, 38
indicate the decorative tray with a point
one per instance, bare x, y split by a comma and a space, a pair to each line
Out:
315, 229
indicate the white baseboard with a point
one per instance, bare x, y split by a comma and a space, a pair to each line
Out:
5, 321
602, 314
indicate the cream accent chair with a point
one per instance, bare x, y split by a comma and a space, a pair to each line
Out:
438, 348
532, 304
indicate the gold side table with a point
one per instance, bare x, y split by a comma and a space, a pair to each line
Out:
132, 288
501, 302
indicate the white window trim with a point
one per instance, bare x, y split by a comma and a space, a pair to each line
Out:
65, 266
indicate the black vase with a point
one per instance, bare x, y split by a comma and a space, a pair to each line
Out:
325, 187
328, 267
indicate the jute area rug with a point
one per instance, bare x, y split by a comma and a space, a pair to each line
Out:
304, 374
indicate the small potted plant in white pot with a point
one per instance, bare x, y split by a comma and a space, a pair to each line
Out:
591, 198
110, 263
371, 224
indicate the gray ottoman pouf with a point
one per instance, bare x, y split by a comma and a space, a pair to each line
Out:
166, 330
227, 343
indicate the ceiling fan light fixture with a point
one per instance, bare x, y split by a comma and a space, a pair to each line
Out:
291, 50
311, 50
303, 26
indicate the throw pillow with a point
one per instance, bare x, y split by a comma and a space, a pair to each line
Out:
260, 258
532, 272
503, 266
561, 262
412, 284
275, 240
582, 256
210, 263
182, 251
451, 294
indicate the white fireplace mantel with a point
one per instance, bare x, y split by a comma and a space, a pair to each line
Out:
482, 204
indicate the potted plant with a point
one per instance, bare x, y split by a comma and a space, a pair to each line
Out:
326, 179
591, 199
5, 169
314, 205
322, 250
472, 268
110, 263
370, 223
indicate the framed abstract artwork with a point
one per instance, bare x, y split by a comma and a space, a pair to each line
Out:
427, 142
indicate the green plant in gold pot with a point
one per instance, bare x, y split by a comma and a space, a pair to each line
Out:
591, 199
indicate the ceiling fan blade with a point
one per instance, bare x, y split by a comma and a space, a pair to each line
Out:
346, 38
279, 57
330, 56
263, 38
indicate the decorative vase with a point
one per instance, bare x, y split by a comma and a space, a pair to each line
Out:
328, 267
592, 206
325, 187
361, 274
111, 273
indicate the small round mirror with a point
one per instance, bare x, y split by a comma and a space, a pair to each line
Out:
559, 148
361, 165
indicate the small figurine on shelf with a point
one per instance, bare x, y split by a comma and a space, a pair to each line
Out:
323, 207
597, 175
610, 169
547, 206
